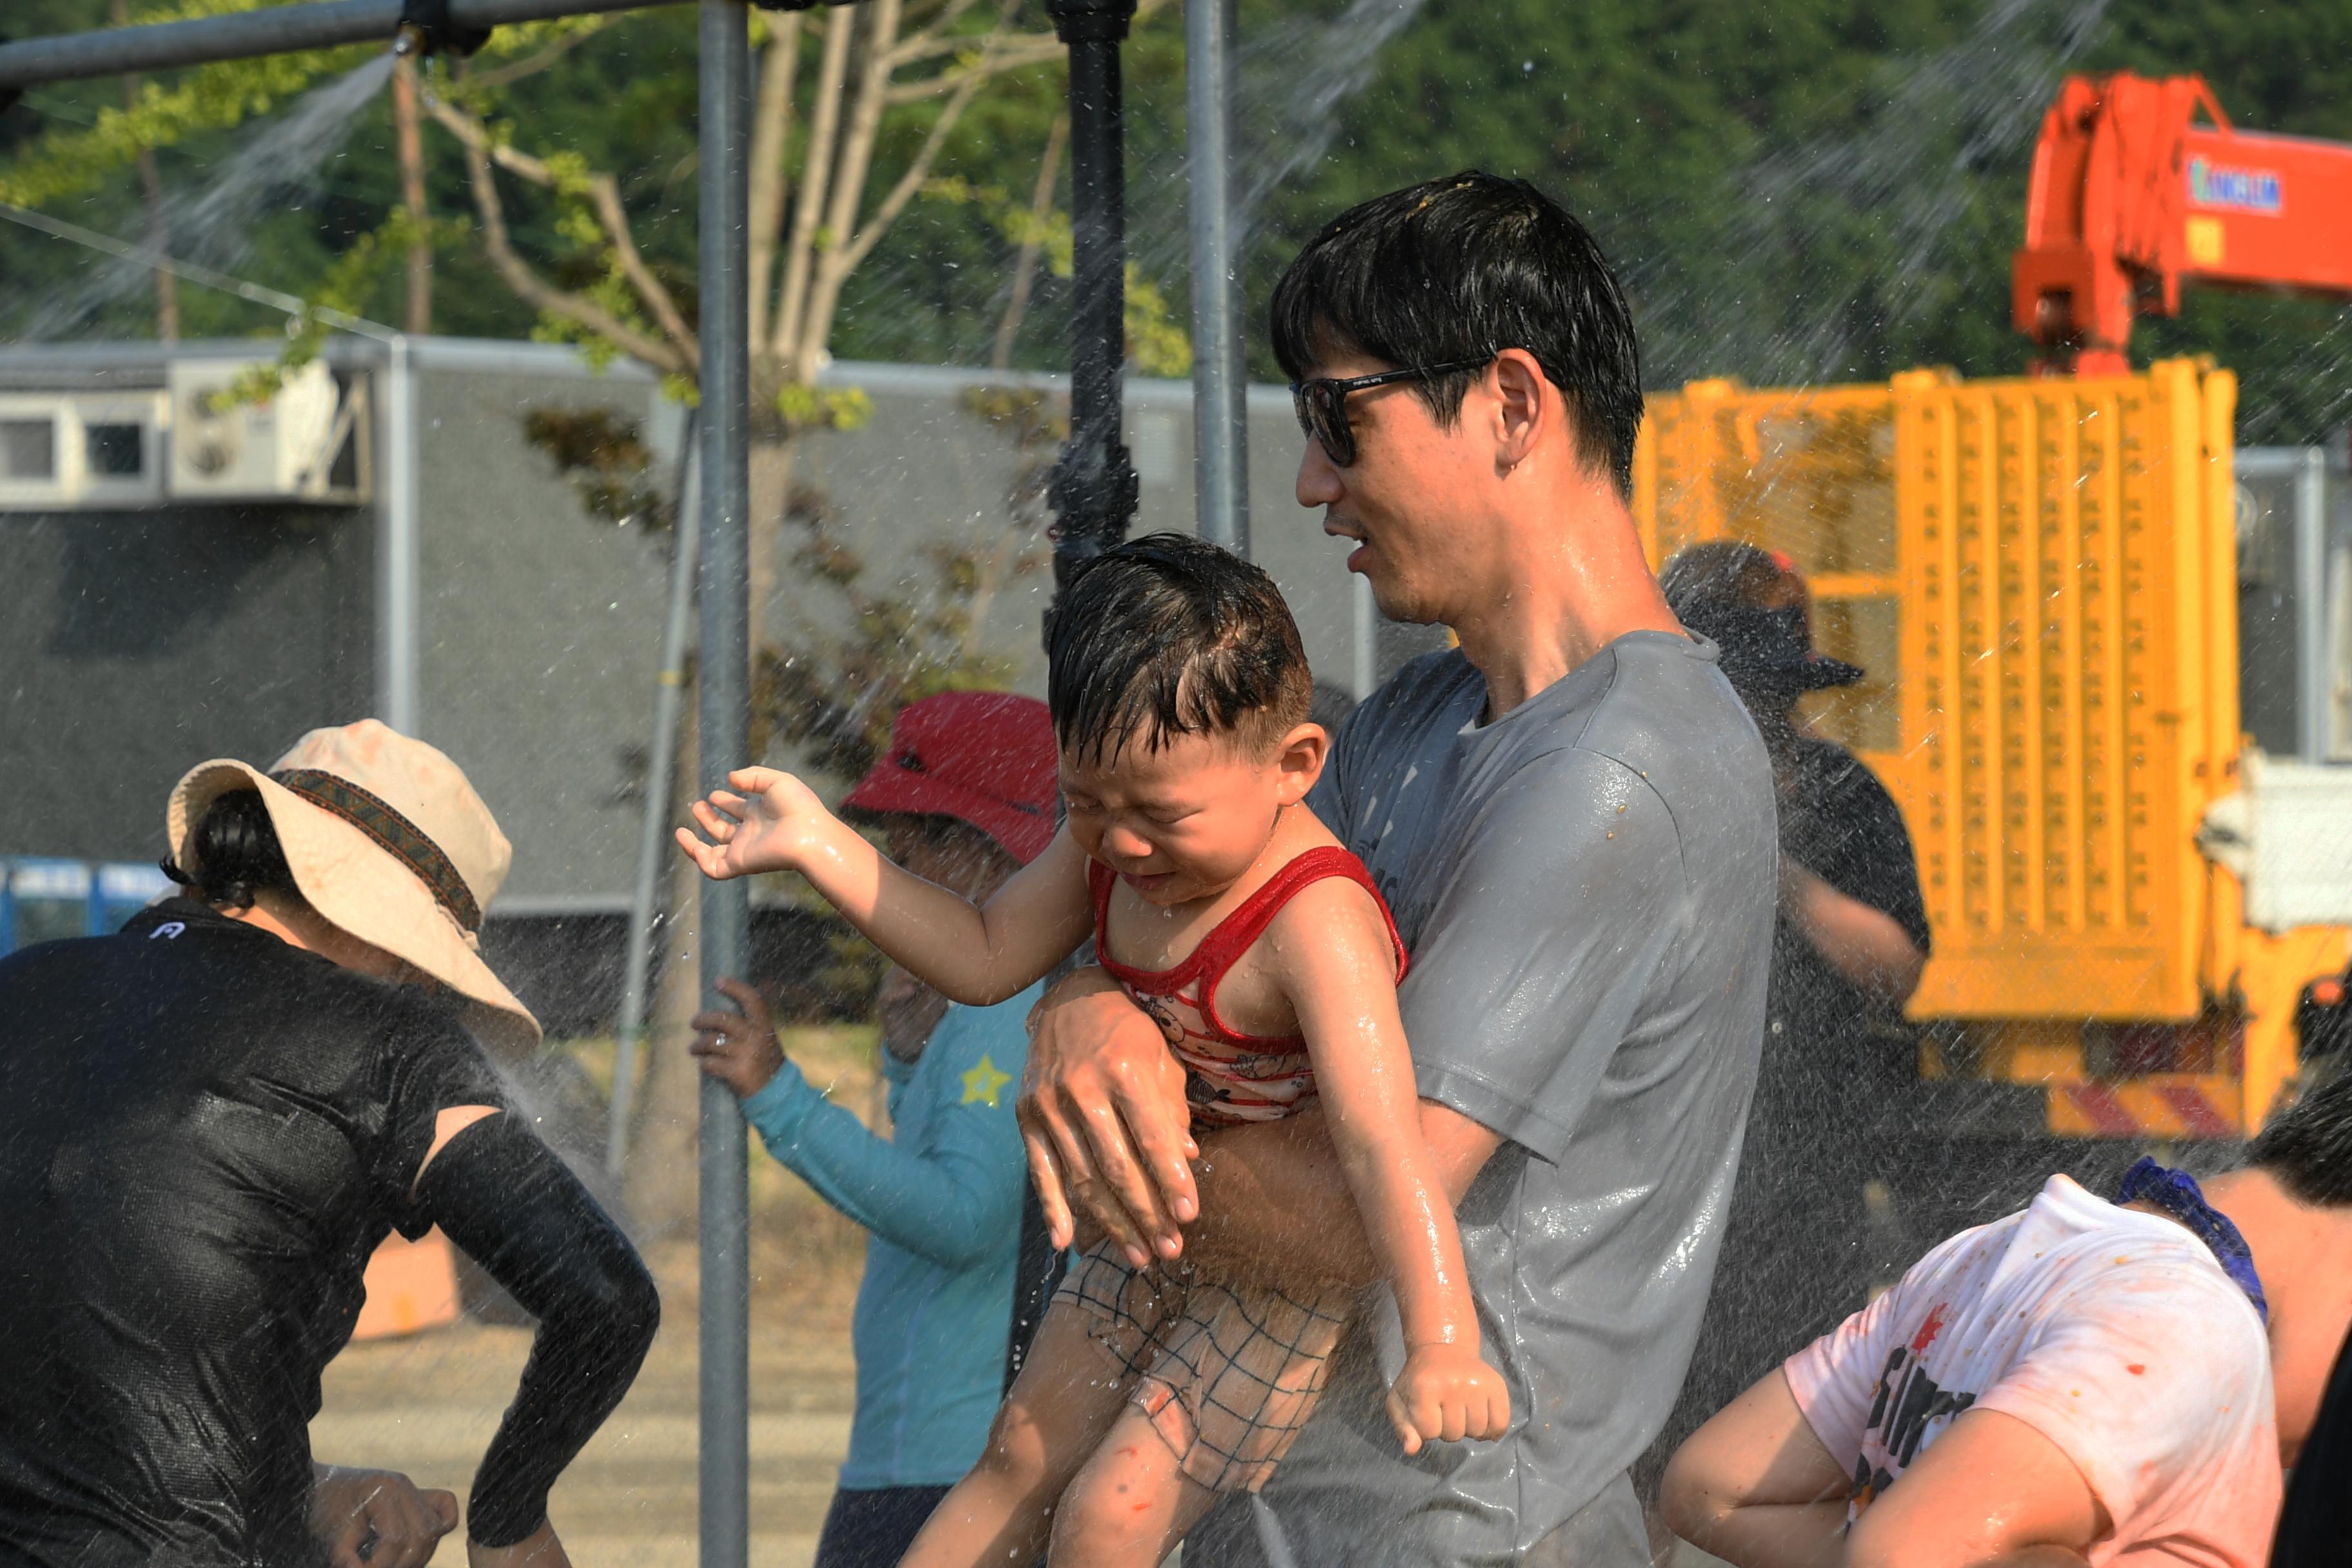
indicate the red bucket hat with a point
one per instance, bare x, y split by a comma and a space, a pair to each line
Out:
986, 758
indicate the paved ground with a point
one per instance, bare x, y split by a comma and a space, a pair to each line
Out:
428, 1406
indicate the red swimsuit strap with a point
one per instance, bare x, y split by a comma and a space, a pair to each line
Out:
1224, 946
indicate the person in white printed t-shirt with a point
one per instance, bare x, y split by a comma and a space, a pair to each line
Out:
2083, 1382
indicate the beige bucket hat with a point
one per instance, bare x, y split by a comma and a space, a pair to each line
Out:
387, 841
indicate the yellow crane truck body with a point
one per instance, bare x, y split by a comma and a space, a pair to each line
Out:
2040, 578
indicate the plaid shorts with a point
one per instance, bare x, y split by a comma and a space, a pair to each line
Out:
1227, 1374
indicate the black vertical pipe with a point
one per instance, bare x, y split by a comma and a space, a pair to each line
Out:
1094, 488
724, 679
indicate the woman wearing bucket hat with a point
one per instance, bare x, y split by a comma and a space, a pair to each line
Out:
966, 794
207, 1123
1847, 950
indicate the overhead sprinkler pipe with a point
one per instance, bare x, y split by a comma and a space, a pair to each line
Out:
272, 30
1094, 488
1220, 380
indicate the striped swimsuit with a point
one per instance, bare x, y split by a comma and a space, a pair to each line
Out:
1228, 1371
1231, 1077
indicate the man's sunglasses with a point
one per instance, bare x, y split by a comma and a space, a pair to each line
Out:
1322, 403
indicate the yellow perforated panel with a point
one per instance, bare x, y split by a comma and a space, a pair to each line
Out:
2039, 576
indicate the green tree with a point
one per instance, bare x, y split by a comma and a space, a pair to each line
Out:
1823, 189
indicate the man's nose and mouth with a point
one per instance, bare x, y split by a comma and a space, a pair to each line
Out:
1340, 527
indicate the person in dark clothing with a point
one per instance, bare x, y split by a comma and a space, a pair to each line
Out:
1848, 947
207, 1123
2315, 1527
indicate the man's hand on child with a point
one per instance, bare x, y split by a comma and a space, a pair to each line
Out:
771, 826
739, 1050
1448, 1393
1102, 1110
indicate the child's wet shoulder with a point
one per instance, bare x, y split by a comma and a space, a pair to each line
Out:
1330, 917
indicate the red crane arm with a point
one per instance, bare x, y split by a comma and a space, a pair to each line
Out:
2131, 198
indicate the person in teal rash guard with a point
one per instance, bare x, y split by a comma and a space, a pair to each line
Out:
966, 796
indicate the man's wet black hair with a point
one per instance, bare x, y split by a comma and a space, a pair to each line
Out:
1461, 268
1168, 636
2308, 1146
237, 854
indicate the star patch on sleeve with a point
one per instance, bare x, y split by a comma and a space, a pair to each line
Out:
981, 1084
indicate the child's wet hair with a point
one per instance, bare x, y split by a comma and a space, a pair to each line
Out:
1167, 635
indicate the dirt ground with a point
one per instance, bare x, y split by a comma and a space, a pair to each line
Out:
428, 1403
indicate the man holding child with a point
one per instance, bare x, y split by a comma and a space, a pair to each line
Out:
1180, 699
1571, 817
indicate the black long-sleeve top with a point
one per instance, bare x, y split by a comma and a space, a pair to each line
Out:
2315, 1527
204, 1132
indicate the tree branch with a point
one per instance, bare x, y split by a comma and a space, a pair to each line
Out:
865, 124
772, 126
848, 185
604, 195
507, 75
1013, 54
917, 170
471, 133
603, 199
925, 42
1000, 52
536, 291
1025, 268
817, 172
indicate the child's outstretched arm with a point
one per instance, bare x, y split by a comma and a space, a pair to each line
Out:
974, 954
1338, 966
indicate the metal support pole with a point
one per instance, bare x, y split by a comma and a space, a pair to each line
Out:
1220, 377
245, 35
724, 684
2313, 679
1364, 623
653, 838
396, 554
1094, 489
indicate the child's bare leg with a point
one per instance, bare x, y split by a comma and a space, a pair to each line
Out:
1132, 1503
1069, 1393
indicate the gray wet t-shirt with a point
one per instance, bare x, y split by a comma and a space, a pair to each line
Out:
1586, 886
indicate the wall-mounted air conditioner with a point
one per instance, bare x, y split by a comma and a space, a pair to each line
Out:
61, 450
36, 452
228, 447
125, 443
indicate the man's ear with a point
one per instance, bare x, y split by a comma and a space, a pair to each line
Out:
1300, 759
1528, 405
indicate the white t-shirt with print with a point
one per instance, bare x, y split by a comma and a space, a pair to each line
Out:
2113, 1332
